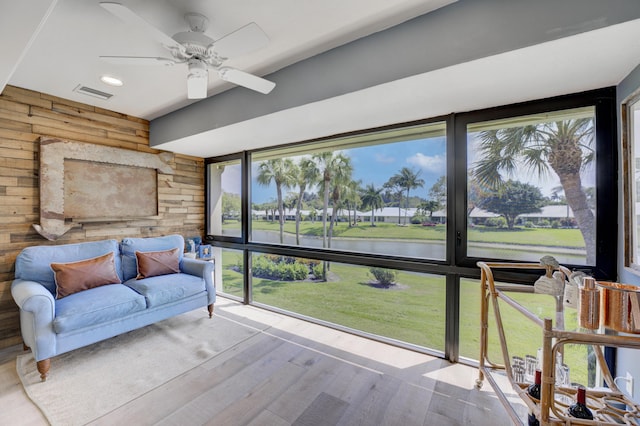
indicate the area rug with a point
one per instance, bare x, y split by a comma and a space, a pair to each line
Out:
89, 382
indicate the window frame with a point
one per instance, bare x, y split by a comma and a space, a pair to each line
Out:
457, 264
241, 157
631, 245
603, 100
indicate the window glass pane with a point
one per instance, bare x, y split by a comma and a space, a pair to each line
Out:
230, 267
404, 306
522, 335
380, 193
225, 195
531, 187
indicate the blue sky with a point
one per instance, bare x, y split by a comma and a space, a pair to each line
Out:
376, 164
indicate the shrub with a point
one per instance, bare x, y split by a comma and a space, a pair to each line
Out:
496, 222
417, 219
384, 276
282, 268
317, 270
528, 224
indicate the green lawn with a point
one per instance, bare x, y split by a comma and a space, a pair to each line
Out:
571, 238
413, 312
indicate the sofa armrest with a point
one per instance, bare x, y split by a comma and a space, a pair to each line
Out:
33, 297
37, 311
203, 269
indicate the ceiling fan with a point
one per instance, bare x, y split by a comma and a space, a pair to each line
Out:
198, 51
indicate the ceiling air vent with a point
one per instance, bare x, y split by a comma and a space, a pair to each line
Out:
92, 92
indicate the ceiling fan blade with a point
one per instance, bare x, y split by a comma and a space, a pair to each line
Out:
247, 80
138, 60
131, 18
243, 40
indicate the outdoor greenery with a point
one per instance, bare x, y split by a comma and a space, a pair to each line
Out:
544, 237
385, 277
281, 267
413, 312
512, 199
566, 147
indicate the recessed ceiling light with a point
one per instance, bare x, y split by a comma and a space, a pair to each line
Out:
111, 81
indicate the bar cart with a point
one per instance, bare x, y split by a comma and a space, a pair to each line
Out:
609, 406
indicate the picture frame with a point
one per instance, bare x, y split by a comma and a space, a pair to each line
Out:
204, 251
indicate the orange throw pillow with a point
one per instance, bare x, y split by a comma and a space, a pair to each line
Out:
154, 263
73, 277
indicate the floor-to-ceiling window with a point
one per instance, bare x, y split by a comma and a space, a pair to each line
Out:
379, 231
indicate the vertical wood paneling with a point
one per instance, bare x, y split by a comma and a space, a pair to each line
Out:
26, 115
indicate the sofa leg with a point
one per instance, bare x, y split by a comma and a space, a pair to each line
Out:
25, 347
210, 309
43, 368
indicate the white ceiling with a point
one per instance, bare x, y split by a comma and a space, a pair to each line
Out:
64, 53
73, 33
591, 60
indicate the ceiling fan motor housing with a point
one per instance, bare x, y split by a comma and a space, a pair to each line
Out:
195, 44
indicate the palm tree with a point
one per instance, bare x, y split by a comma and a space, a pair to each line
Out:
408, 179
281, 172
394, 191
372, 198
307, 175
332, 168
352, 198
562, 146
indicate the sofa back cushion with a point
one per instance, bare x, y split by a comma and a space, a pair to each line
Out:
129, 246
34, 263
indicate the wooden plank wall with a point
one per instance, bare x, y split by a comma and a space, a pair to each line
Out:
24, 117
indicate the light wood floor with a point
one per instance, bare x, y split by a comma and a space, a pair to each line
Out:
299, 374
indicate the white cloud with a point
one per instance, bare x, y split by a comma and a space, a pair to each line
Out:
383, 158
433, 164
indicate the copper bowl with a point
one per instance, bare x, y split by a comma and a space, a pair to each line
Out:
619, 306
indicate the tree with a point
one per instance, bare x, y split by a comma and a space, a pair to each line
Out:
511, 200
428, 207
281, 172
562, 146
352, 198
408, 179
331, 168
372, 199
307, 175
438, 191
230, 206
394, 191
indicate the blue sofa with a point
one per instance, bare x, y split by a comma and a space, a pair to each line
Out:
52, 326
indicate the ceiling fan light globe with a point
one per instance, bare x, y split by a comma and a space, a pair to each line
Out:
197, 80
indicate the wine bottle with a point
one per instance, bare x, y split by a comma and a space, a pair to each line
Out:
534, 389
579, 408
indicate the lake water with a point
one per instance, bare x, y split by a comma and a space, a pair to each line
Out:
434, 250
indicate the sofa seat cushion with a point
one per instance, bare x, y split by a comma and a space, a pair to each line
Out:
164, 289
95, 306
